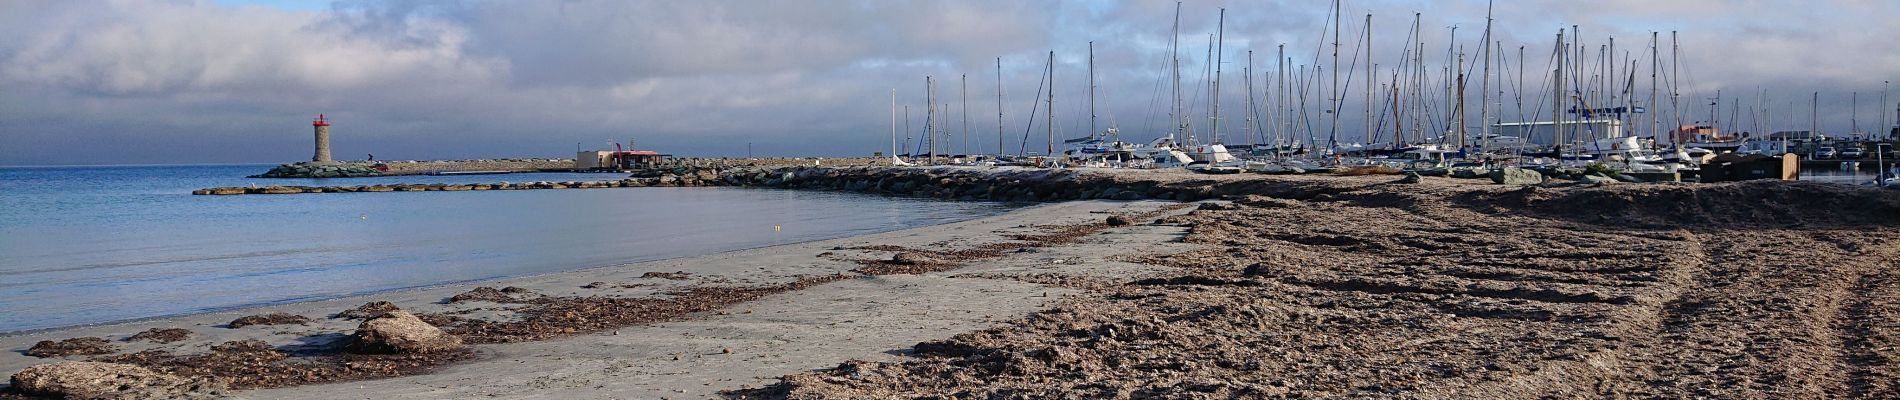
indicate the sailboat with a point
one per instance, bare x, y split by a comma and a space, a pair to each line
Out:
1104, 148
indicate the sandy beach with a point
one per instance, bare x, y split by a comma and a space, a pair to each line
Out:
1307, 286
746, 344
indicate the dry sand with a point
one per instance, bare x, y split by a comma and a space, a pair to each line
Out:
1440, 290
740, 345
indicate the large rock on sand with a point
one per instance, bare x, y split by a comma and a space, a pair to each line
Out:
1516, 176
97, 380
399, 332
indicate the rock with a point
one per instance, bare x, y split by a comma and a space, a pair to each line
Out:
1410, 177
1516, 176
1117, 220
1127, 195
1627, 178
399, 332
98, 380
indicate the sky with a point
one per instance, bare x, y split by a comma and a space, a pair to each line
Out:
238, 81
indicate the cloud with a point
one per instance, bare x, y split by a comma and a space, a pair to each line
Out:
196, 81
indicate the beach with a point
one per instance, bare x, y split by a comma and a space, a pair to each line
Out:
864, 316
1306, 286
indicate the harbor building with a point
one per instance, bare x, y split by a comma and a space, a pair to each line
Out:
617, 160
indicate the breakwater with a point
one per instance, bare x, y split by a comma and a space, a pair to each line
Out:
993, 184
355, 169
1762, 202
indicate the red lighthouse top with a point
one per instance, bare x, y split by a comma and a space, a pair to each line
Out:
319, 121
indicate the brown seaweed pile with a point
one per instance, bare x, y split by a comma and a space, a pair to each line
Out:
69, 347
269, 319
161, 335
550, 317
1446, 292
251, 363
367, 310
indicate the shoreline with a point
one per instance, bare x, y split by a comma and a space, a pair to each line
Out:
478, 282
207, 327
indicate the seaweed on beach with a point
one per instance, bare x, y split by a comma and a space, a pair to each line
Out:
674, 276
277, 318
74, 346
509, 294
161, 335
1743, 290
251, 364
905, 260
367, 310
550, 317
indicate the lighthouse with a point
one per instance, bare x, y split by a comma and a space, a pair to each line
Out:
323, 141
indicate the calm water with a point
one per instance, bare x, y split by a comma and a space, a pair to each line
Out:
1841, 174
83, 245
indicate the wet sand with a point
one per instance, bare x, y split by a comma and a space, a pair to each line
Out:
730, 346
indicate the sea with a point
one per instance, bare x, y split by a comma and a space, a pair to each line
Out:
99, 244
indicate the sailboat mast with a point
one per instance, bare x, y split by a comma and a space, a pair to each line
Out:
1398, 130
1655, 124
1557, 96
930, 117
893, 126
1882, 110
964, 92
1251, 110
1814, 114
1461, 101
1370, 80
1051, 111
1332, 135
999, 106
1285, 100
1417, 73
1092, 89
1484, 87
1220, 41
1174, 51
1675, 77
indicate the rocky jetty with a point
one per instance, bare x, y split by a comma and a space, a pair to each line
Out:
946, 183
355, 169
318, 170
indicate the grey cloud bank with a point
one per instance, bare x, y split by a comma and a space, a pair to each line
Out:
114, 82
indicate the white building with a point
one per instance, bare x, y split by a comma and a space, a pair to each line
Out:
1543, 133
